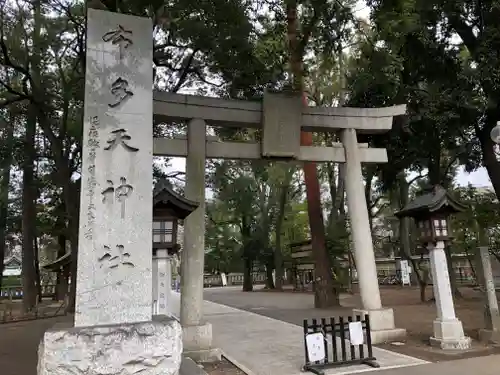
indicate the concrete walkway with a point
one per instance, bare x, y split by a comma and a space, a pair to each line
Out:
264, 346
488, 365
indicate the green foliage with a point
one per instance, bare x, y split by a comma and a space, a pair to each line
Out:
480, 220
222, 241
449, 77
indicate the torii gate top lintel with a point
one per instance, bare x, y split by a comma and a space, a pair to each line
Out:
282, 116
248, 114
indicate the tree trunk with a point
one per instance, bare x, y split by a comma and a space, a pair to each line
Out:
64, 285
38, 280
29, 214
247, 275
5, 167
332, 182
370, 173
350, 259
29, 193
278, 256
422, 290
74, 264
62, 274
404, 236
451, 273
325, 291
489, 157
471, 264
61, 154
269, 277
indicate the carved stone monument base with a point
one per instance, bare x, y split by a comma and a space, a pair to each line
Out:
382, 325
197, 342
449, 335
149, 348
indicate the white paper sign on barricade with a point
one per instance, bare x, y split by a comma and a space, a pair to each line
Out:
356, 333
315, 347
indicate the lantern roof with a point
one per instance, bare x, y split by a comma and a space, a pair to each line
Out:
435, 199
165, 196
59, 263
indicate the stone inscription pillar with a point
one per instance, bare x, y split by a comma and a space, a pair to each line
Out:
381, 320
113, 331
116, 193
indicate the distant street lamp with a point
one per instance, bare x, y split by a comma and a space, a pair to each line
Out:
495, 133
431, 210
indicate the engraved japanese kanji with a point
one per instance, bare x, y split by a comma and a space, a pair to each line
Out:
119, 36
114, 259
121, 192
93, 145
119, 89
120, 137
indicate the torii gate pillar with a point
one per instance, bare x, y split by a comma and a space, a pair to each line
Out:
197, 334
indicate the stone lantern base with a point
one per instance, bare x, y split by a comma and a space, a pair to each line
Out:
449, 335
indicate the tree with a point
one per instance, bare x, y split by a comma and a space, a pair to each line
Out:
470, 64
222, 239
192, 41
479, 225
321, 22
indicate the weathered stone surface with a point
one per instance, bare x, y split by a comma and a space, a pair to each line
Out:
147, 348
449, 335
382, 325
114, 261
281, 122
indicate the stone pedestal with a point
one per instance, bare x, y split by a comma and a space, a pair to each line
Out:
197, 342
381, 320
382, 325
448, 330
148, 348
449, 335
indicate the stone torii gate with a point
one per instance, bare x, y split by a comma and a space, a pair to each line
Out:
114, 329
281, 116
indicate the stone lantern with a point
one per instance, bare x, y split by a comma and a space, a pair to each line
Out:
169, 211
431, 210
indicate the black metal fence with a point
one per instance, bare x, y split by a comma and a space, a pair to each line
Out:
338, 349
